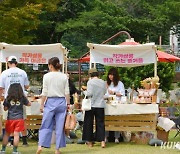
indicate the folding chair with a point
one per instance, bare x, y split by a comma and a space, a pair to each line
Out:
33, 123
172, 111
177, 122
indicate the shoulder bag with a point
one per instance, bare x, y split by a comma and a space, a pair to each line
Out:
86, 104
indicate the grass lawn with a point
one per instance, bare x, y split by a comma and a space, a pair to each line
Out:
111, 148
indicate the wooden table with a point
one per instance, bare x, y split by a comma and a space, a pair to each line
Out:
132, 122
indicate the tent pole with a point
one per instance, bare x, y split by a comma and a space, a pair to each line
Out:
6, 66
79, 67
90, 65
0, 67
63, 66
155, 68
155, 64
64, 61
66, 64
94, 65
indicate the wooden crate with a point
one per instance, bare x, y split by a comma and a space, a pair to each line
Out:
163, 112
132, 122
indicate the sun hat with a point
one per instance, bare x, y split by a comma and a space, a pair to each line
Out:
92, 70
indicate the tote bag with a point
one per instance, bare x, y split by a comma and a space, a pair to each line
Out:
86, 104
70, 122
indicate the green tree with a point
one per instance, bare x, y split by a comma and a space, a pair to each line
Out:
18, 18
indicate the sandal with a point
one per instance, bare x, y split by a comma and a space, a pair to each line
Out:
103, 144
90, 144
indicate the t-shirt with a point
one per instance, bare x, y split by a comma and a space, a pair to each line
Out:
55, 84
13, 75
15, 109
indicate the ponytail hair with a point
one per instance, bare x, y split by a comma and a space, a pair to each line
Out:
54, 61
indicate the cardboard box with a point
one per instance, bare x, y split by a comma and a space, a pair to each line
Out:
162, 135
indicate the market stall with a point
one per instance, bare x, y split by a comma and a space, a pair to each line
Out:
127, 115
33, 54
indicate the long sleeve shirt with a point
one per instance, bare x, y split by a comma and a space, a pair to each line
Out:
96, 88
117, 89
55, 84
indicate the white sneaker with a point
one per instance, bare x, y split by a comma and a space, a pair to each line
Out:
106, 140
9, 144
116, 140
16, 152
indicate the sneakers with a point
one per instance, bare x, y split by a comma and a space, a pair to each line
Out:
3, 152
80, 141
25, 145
116, 140
9, 144
68, 140
16, 152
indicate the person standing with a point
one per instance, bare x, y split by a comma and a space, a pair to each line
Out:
72, 90
54, 101
15, 123
96, 89
114, 87
14, 75
73, 93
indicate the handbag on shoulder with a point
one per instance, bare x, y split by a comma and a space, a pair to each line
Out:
86, 104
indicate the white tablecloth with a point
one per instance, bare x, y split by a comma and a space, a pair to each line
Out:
34, 109
124, 109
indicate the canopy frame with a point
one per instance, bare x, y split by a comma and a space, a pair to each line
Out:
114, 47
49, 50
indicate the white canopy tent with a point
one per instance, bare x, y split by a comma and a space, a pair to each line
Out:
33, 54
123, 55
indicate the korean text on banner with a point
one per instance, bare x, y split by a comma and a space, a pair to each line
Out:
33, 54
123, 56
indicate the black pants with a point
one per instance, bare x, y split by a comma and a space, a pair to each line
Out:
88, 135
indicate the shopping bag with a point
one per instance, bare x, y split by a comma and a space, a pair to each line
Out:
70, 122
86, 104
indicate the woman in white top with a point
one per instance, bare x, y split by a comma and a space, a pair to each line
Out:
55, 97
114, 87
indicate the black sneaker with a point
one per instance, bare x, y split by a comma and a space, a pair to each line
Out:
25, 145
69, 141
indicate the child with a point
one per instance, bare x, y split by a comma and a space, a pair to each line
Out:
15, 123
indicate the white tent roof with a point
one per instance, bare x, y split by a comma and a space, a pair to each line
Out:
123, 55
32, 53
